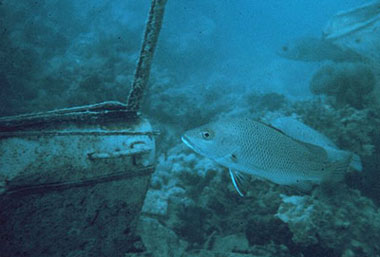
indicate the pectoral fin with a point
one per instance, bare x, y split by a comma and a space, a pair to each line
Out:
240, 182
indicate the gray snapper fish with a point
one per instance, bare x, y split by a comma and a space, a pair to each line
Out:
310, 49
254, 148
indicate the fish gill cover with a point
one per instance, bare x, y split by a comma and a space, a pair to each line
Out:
215, 60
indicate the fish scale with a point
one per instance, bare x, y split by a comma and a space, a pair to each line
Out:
276, 151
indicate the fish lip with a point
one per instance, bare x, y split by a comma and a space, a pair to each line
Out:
187, 142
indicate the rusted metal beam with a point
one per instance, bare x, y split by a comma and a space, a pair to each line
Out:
152, 30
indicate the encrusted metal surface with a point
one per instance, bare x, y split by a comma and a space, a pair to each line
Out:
69, 184
67, 151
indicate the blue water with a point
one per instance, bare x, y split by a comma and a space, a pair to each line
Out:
201, 43
214, 59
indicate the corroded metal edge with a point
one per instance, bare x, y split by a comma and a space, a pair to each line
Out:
77, 133
89, 114
14, 189
152, 31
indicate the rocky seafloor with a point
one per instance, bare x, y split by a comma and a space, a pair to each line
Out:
192, 209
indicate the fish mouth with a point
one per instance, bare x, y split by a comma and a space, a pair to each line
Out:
187, 142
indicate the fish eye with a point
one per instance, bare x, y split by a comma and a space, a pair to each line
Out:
206, 134
285, 48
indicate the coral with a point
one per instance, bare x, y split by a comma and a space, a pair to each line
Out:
190, 109
266, 102
306, 223
194, 223
155, 203
230, 243
159, 240
349, 128
52, 62
195, 198
349, 83
204, 209
344, 221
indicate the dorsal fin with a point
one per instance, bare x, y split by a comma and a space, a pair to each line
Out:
277, 129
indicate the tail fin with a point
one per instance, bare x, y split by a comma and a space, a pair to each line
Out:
337, 170
356, 163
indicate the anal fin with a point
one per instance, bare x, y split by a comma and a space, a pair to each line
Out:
303, 185
240, 182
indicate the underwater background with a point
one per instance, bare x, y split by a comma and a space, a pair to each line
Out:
214, 60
